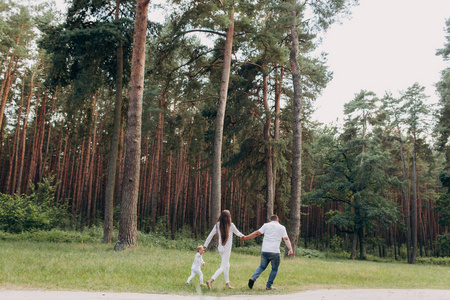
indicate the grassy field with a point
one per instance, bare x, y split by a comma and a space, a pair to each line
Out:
96, 267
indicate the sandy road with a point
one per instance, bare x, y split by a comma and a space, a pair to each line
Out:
359, 294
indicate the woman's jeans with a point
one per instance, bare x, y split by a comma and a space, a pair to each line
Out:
274, 259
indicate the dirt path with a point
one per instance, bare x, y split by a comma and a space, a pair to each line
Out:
361, 294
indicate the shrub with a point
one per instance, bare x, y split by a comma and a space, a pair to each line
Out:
443, 261
53, 236
38, 211
443, 242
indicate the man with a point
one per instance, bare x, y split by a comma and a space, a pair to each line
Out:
273, 232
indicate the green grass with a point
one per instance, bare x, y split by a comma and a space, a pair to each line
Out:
154, 269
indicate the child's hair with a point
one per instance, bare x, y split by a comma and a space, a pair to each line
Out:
199, 247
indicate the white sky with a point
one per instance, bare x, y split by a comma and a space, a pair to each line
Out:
386, 45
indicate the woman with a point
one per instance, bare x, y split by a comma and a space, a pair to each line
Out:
223, 227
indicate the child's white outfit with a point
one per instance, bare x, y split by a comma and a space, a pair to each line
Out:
196, 268
224, 250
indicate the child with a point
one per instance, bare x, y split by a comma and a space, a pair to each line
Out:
196, 266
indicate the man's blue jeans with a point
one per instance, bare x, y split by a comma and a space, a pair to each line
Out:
274, 259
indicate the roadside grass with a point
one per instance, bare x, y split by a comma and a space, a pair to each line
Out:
157, 269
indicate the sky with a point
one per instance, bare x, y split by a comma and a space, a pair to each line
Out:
385, 45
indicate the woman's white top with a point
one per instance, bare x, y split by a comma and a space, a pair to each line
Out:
198, 262
229, 243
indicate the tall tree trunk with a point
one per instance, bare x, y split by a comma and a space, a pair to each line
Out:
168, 190
195, 196
270, 192
414, 216
362, 245
36, 153
128, 208
108, 225
216, 175
6, 84
90, 167
354, 245
276, 125
47, 147
179, 176
12, 173
156, 184
80, 175
406, 202
296, 181
24, 133
63, 167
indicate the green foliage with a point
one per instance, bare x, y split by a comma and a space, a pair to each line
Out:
309, 253
442, 261
443, 207
443, 242
38, 210
52, 236
336, 243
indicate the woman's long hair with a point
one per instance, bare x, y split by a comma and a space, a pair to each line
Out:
225, 224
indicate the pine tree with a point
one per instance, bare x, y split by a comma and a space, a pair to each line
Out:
128, 206
416, 120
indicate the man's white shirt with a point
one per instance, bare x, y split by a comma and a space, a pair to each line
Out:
273, 232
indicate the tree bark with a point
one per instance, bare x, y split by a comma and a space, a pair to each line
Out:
128, 208
354, 245
6, 84
87, 193
414, 216
108, 225
47, 147
406, 203
296, 181
12, 173
270, 192
216, 175
156, 184
276, 125
36, 154
24, 133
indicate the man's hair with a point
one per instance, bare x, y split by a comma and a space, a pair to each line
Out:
274, 218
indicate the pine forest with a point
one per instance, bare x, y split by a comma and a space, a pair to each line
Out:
110, 119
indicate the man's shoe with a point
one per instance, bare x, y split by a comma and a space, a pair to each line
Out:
251, 282
202, 284
271, 288
186, 283
228, 286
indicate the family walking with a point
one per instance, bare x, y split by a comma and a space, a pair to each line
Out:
273, 232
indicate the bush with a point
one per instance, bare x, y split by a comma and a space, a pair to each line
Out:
53, 236
309, 253
18, 214
38, 211
443, 261
443, 242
